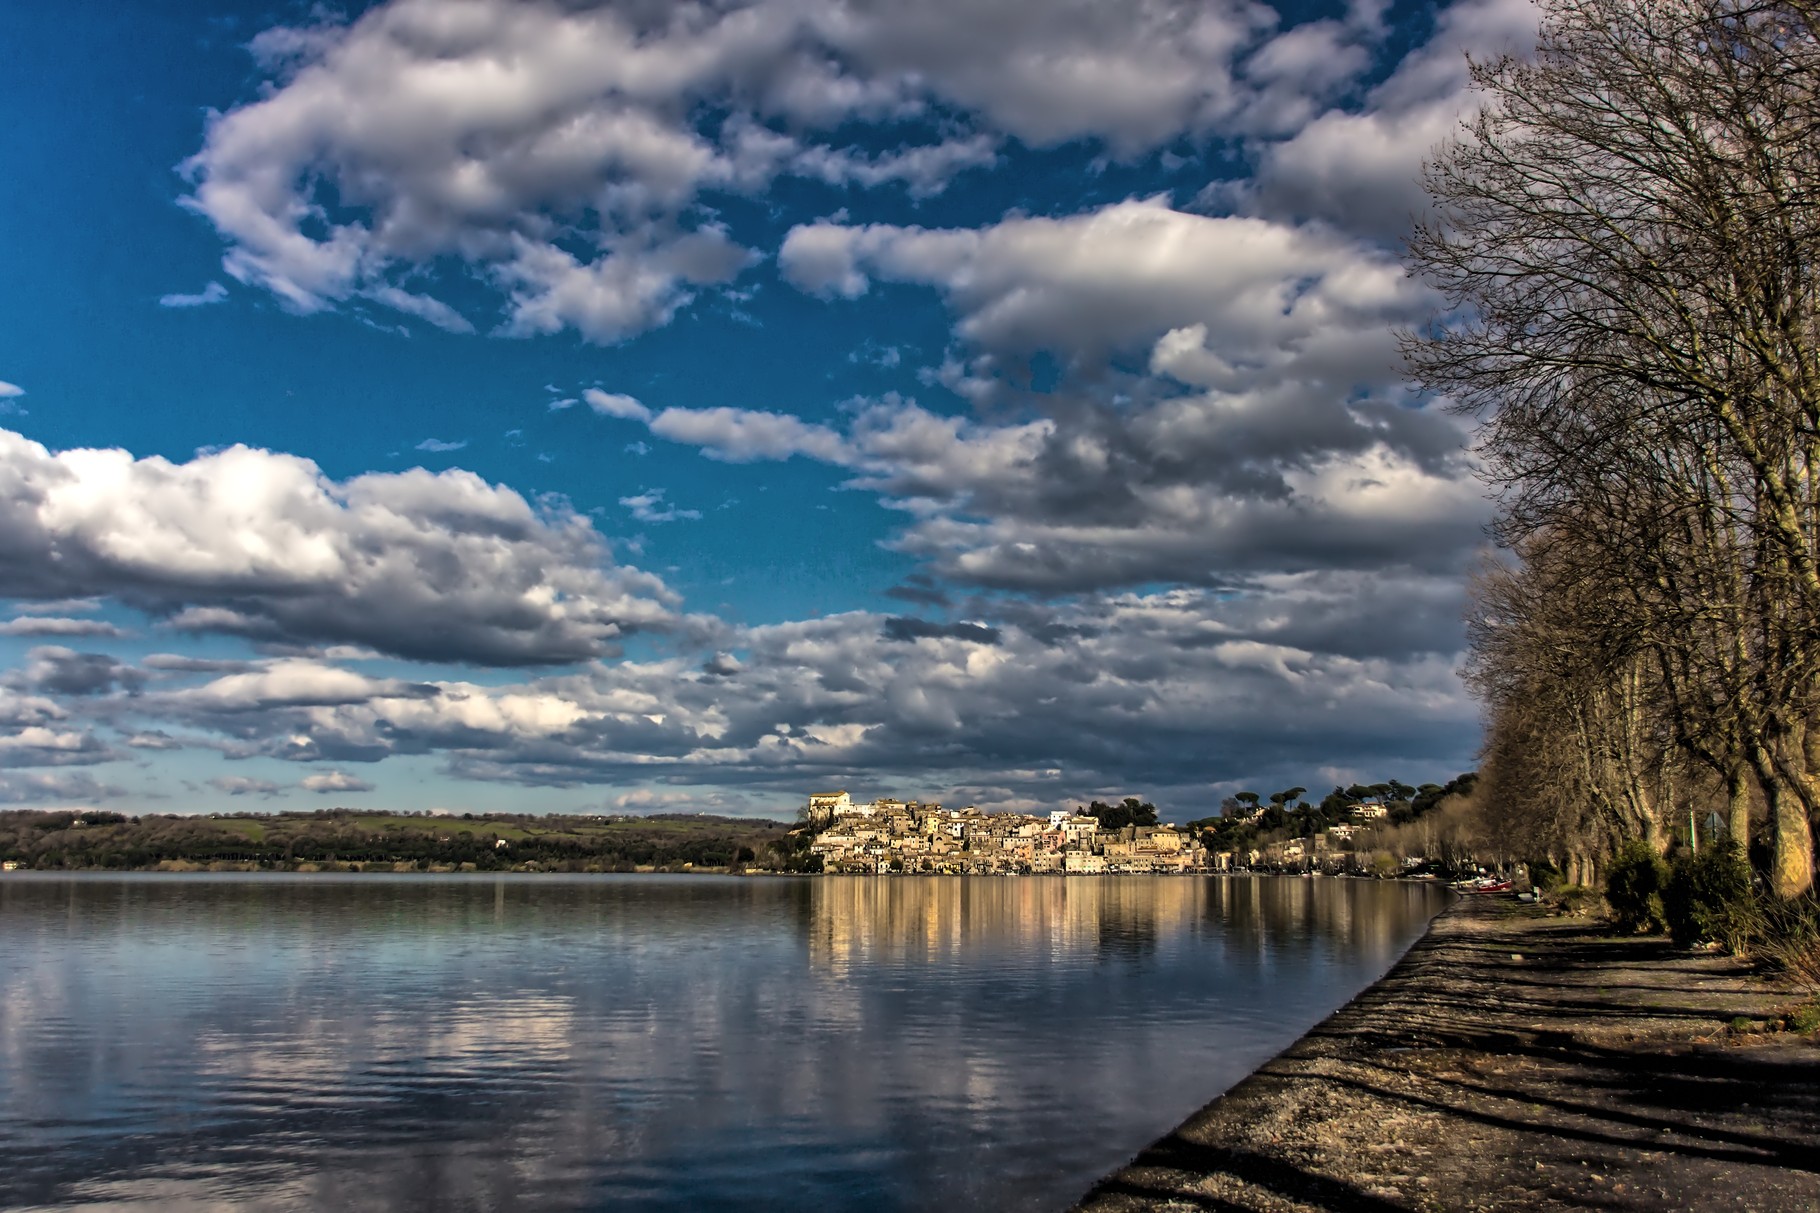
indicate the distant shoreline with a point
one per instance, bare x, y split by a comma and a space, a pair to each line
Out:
378, 873
380, 870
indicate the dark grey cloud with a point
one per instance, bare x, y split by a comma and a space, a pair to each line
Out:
180, 663
55, 788
920, 590
902, 628
1175, 694
54, 670
52, 625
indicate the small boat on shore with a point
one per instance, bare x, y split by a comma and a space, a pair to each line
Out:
1483, 884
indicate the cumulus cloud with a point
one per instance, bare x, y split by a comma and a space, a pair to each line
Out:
290, 683
439, 566
41, 746
1092, 284
9, 391
1230, 402
561, 149
1154, 396
1360, 169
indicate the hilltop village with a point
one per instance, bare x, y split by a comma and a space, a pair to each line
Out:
908, 836
1377, 829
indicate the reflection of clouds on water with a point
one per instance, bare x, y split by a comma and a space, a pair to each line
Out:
479, 1033
641, 1043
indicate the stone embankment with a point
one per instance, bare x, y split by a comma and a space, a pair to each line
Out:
1514, 1060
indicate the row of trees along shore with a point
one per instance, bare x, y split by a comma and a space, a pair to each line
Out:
342, 839
1627, 237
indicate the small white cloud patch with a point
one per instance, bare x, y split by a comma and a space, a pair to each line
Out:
213, 293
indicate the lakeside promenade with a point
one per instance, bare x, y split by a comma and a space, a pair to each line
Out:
1513, 1060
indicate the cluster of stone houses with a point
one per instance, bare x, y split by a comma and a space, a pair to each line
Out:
909, 836
1324, 850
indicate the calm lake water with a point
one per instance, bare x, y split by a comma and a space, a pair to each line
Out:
643, 1042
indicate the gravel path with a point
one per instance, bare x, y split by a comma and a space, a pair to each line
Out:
1514, 1061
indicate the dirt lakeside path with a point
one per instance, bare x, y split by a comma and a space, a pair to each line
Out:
1513, 1061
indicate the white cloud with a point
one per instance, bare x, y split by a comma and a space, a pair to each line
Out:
650, 506
334, 781
554, 147
613, 404
1230, 401
290, 683
745, 435
435, 311
1361, 169
632, 289
439, 447
213, 293
10, 391
1090, 284
438, 566
244, 785
40, 746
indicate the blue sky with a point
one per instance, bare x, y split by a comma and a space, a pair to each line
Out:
510, 404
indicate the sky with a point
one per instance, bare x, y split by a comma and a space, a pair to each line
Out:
632, 406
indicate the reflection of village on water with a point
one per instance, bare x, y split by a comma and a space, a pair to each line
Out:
857, 922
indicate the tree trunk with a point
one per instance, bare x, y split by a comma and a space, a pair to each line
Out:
1792, 861
1738, 821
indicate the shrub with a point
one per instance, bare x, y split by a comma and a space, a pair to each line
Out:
1708, 897
1571, 898
1788, 938
1544, 876
1633, 888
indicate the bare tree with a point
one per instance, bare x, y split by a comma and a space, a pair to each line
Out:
1627, 235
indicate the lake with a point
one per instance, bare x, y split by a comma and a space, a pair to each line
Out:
643, 1042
